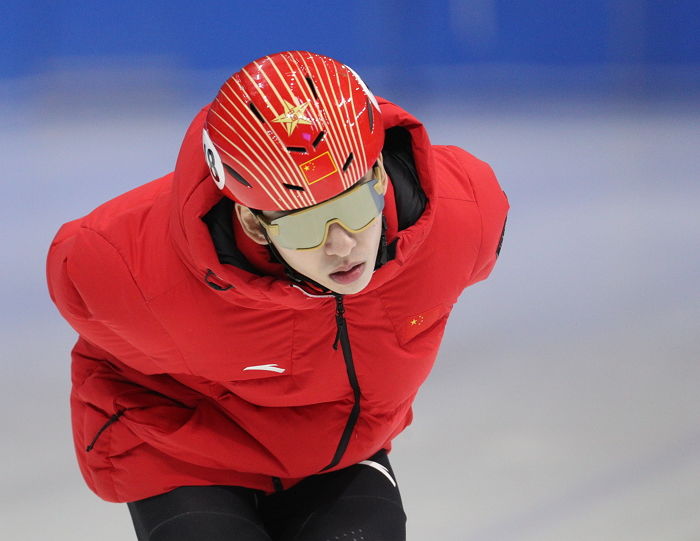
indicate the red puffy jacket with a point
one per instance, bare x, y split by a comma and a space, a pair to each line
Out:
199, 367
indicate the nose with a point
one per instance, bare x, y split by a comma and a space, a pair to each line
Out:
339, 241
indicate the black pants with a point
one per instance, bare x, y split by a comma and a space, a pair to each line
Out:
359, 503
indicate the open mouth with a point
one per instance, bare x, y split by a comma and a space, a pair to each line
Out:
349, 275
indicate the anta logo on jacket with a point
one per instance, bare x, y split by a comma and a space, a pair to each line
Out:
200, 363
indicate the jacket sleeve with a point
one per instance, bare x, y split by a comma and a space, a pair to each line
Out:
95, 291
492, 204
123, 380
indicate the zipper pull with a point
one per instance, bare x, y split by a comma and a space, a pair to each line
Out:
113, 419
339, 319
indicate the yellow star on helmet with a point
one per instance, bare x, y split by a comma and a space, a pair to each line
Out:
293, 116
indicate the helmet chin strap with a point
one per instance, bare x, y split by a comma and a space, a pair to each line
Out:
382, 251
311, 286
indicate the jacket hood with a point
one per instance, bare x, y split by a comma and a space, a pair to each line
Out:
195, 194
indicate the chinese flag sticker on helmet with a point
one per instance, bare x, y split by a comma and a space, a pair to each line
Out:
319, 168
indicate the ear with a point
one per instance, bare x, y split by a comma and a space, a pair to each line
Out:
382, 177
250, 224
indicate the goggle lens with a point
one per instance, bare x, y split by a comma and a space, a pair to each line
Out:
307, 229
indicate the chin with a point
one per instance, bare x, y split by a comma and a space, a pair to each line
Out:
349, 289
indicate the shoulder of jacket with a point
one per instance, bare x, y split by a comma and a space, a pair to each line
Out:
468, 177
91, 257
87, 274
130, 205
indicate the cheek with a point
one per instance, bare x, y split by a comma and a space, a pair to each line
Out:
299, 259
370, 236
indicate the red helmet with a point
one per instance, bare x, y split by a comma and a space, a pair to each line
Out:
291, 130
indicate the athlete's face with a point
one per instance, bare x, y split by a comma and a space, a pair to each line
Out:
344, 263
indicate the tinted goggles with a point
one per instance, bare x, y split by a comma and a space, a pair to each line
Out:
305, 229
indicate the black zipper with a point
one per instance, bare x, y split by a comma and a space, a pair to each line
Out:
344, 340
113, 419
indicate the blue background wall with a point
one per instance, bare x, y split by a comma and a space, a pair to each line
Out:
410, 33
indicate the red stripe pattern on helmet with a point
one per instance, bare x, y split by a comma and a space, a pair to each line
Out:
295, 126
